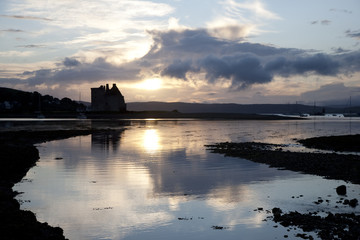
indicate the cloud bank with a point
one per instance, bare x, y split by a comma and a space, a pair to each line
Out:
241, 63
204, 57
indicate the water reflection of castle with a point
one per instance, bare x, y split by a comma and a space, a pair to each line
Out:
106, 141
106, 99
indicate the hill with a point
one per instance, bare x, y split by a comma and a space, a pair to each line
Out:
236, 108
16, 101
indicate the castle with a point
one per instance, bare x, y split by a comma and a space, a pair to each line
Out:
104, 99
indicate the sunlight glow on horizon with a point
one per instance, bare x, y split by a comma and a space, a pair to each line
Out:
219, 51
150, 84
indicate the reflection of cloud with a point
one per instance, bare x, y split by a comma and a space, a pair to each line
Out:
228, 197
98, 191
176, 175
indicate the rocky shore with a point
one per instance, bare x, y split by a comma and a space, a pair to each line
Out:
348, 143
328, 165
18, 155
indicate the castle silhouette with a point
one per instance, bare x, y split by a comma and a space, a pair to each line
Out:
104, 99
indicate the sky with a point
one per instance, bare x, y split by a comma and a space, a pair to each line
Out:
204, 51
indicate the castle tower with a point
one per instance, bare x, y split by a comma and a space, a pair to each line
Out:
104, 99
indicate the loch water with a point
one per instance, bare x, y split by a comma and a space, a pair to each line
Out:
155, 179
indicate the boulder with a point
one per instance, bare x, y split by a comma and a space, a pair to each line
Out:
341, 190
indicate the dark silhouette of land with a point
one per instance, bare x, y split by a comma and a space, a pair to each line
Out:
179, 115
238, 108
15, 103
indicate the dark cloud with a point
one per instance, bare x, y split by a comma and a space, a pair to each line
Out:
26, 17
31, 46
341, 10
11, 30
340, 50
76, 72
71, 62
353, 34
178, 69
182, 43
324, 22
232, 32
181, 54
351, 61
243, 63
320, 64
11, 81
241, 70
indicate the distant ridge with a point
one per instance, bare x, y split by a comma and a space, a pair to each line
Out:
235, 108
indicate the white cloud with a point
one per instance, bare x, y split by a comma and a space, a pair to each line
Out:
110, 14
94, 25
7, 54
236, 21
236, 9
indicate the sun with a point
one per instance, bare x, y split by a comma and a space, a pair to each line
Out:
150, 84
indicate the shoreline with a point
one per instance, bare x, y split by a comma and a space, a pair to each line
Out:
327, 165
19, 154
158, 114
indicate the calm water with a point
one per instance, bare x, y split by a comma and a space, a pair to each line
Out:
155, 180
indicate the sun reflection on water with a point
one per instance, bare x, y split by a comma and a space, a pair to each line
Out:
151, 141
